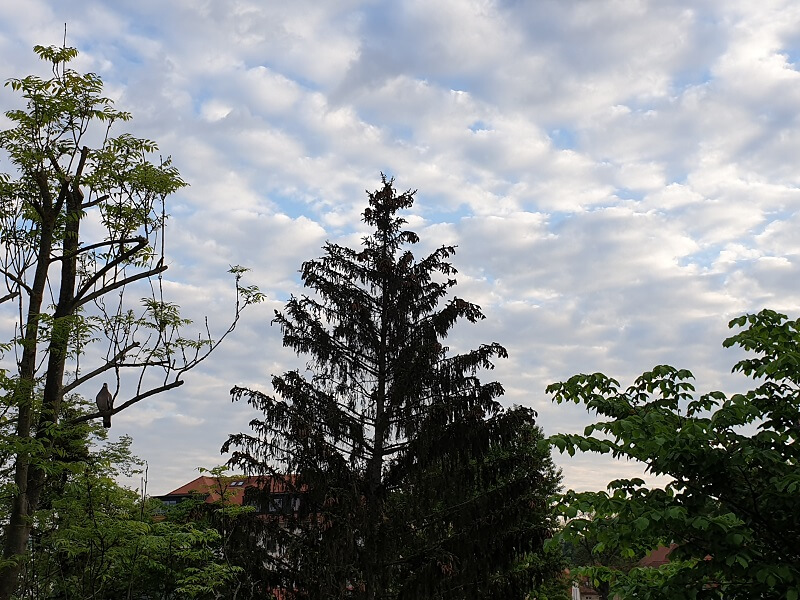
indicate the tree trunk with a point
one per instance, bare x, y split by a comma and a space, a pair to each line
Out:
375, 467
18, 528
30, 478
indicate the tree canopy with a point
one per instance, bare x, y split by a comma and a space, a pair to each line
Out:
97, 539
731, 504
412, 480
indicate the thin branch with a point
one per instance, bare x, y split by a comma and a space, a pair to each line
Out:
144, 363
117, 284
93, 246
10, 296
109, 365
132, 401
54, 163
140, 243
79, 170
393, 449
16, 280
198, 359
102, 198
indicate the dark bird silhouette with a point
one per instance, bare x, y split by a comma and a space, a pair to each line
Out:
105, 402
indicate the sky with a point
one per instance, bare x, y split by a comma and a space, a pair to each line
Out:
620, 176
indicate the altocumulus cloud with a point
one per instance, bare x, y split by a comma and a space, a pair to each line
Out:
620, 177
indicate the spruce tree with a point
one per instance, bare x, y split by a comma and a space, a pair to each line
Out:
411, 479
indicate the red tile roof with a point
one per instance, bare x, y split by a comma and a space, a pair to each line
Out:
232, 486
657, 557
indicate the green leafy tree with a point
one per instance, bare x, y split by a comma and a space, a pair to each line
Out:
591, 556
66, 284
410, 479
731, 504
242, 531
95, 539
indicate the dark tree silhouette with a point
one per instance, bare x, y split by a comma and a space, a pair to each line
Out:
413, 480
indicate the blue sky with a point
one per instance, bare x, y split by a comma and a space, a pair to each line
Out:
620, 175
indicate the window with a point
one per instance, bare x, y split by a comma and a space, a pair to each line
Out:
277, 503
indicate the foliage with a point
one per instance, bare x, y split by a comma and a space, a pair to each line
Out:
414, 481
242, 531
95, 539
70, 319
731, 505
601, 563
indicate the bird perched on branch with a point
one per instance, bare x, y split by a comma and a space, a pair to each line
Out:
105, 402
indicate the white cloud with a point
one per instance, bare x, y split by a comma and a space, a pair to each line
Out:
620, 177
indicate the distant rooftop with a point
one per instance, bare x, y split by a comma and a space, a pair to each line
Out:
233, 487
657, 557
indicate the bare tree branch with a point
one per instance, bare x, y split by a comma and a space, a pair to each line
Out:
56, 167
132, 401
16, 280
93, 246
198, 358
95, 202
118, 284
109, 365
79, 170
10, 296
141, 242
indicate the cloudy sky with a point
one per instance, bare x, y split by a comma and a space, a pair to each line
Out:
620, 176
